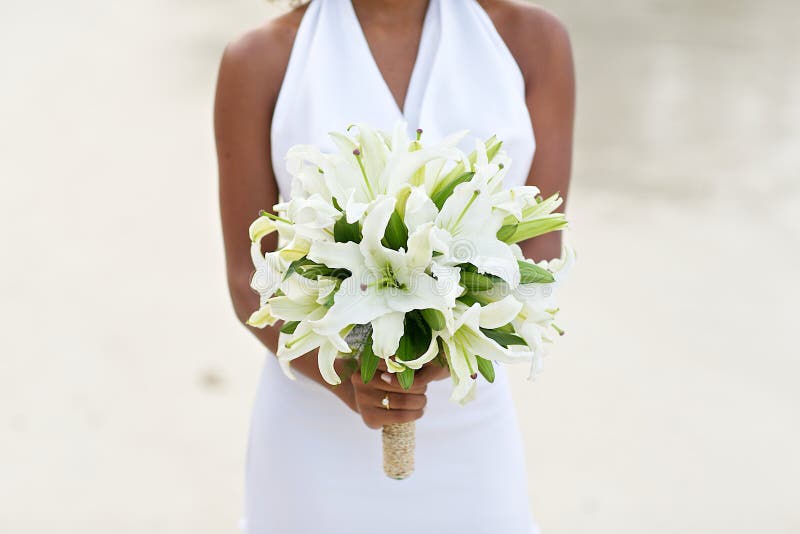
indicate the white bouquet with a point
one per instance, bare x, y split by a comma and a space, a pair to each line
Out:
392, 250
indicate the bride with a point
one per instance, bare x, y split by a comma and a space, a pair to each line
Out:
491, 66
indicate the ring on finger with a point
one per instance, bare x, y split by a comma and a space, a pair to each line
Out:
385, 401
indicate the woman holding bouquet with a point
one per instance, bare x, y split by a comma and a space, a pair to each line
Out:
494, 67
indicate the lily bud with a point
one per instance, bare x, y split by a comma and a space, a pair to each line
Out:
261, 227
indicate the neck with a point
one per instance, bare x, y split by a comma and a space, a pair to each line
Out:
395, 11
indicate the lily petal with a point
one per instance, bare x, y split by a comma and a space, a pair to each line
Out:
261, 227
386, 333
351, 305
430, 354
460, 372
262, 317
419, 210
337, 255
291, 310
500, 313
326, 358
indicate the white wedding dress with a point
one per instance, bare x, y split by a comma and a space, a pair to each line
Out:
312, 465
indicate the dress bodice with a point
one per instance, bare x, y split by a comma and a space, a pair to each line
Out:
464, 77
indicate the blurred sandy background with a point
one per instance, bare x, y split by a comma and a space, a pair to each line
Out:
126, 382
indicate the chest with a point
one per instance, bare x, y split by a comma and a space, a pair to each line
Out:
455, 74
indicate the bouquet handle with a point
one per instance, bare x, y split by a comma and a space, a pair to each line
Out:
398, 438
398, 450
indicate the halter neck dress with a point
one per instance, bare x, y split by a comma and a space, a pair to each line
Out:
312, 465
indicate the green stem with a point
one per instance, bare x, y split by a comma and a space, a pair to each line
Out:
274, 217
465, 210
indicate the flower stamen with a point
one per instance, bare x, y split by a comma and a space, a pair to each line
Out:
357, 154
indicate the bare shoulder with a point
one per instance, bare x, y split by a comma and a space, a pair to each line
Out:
257, 59
537, 38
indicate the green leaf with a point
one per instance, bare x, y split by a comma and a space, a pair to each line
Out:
434, 318
507, 328
289, 327
295, 265
475, 281
416, 337
468, 298
406, 378
344, 231
396, 236
503, 339
441, 358
313, 272
530, 273
486, 368
506, 232
444, 192
415, 341
369, 361
339, 273
350, 367
330, 299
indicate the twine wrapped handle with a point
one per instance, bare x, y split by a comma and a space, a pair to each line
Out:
398, 438
398, 450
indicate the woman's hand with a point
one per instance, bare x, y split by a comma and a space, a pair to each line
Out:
404, 405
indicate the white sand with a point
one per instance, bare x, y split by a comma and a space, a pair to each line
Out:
126, 382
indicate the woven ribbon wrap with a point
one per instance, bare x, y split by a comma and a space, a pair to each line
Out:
398, 439
398, 450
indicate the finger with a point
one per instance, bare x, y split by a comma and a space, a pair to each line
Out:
400, 401
431, 372
386, 381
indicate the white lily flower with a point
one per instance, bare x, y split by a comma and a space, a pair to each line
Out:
489, 174
515, 200
303, 300
305, 339
535, 219
312, 217
385, 283
469, 341
302, 297
268, 274
541, 209
467, 233
307, 166
366, 167
534, 322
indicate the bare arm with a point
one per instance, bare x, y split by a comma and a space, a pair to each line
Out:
249, 78
551, 103
541, 46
